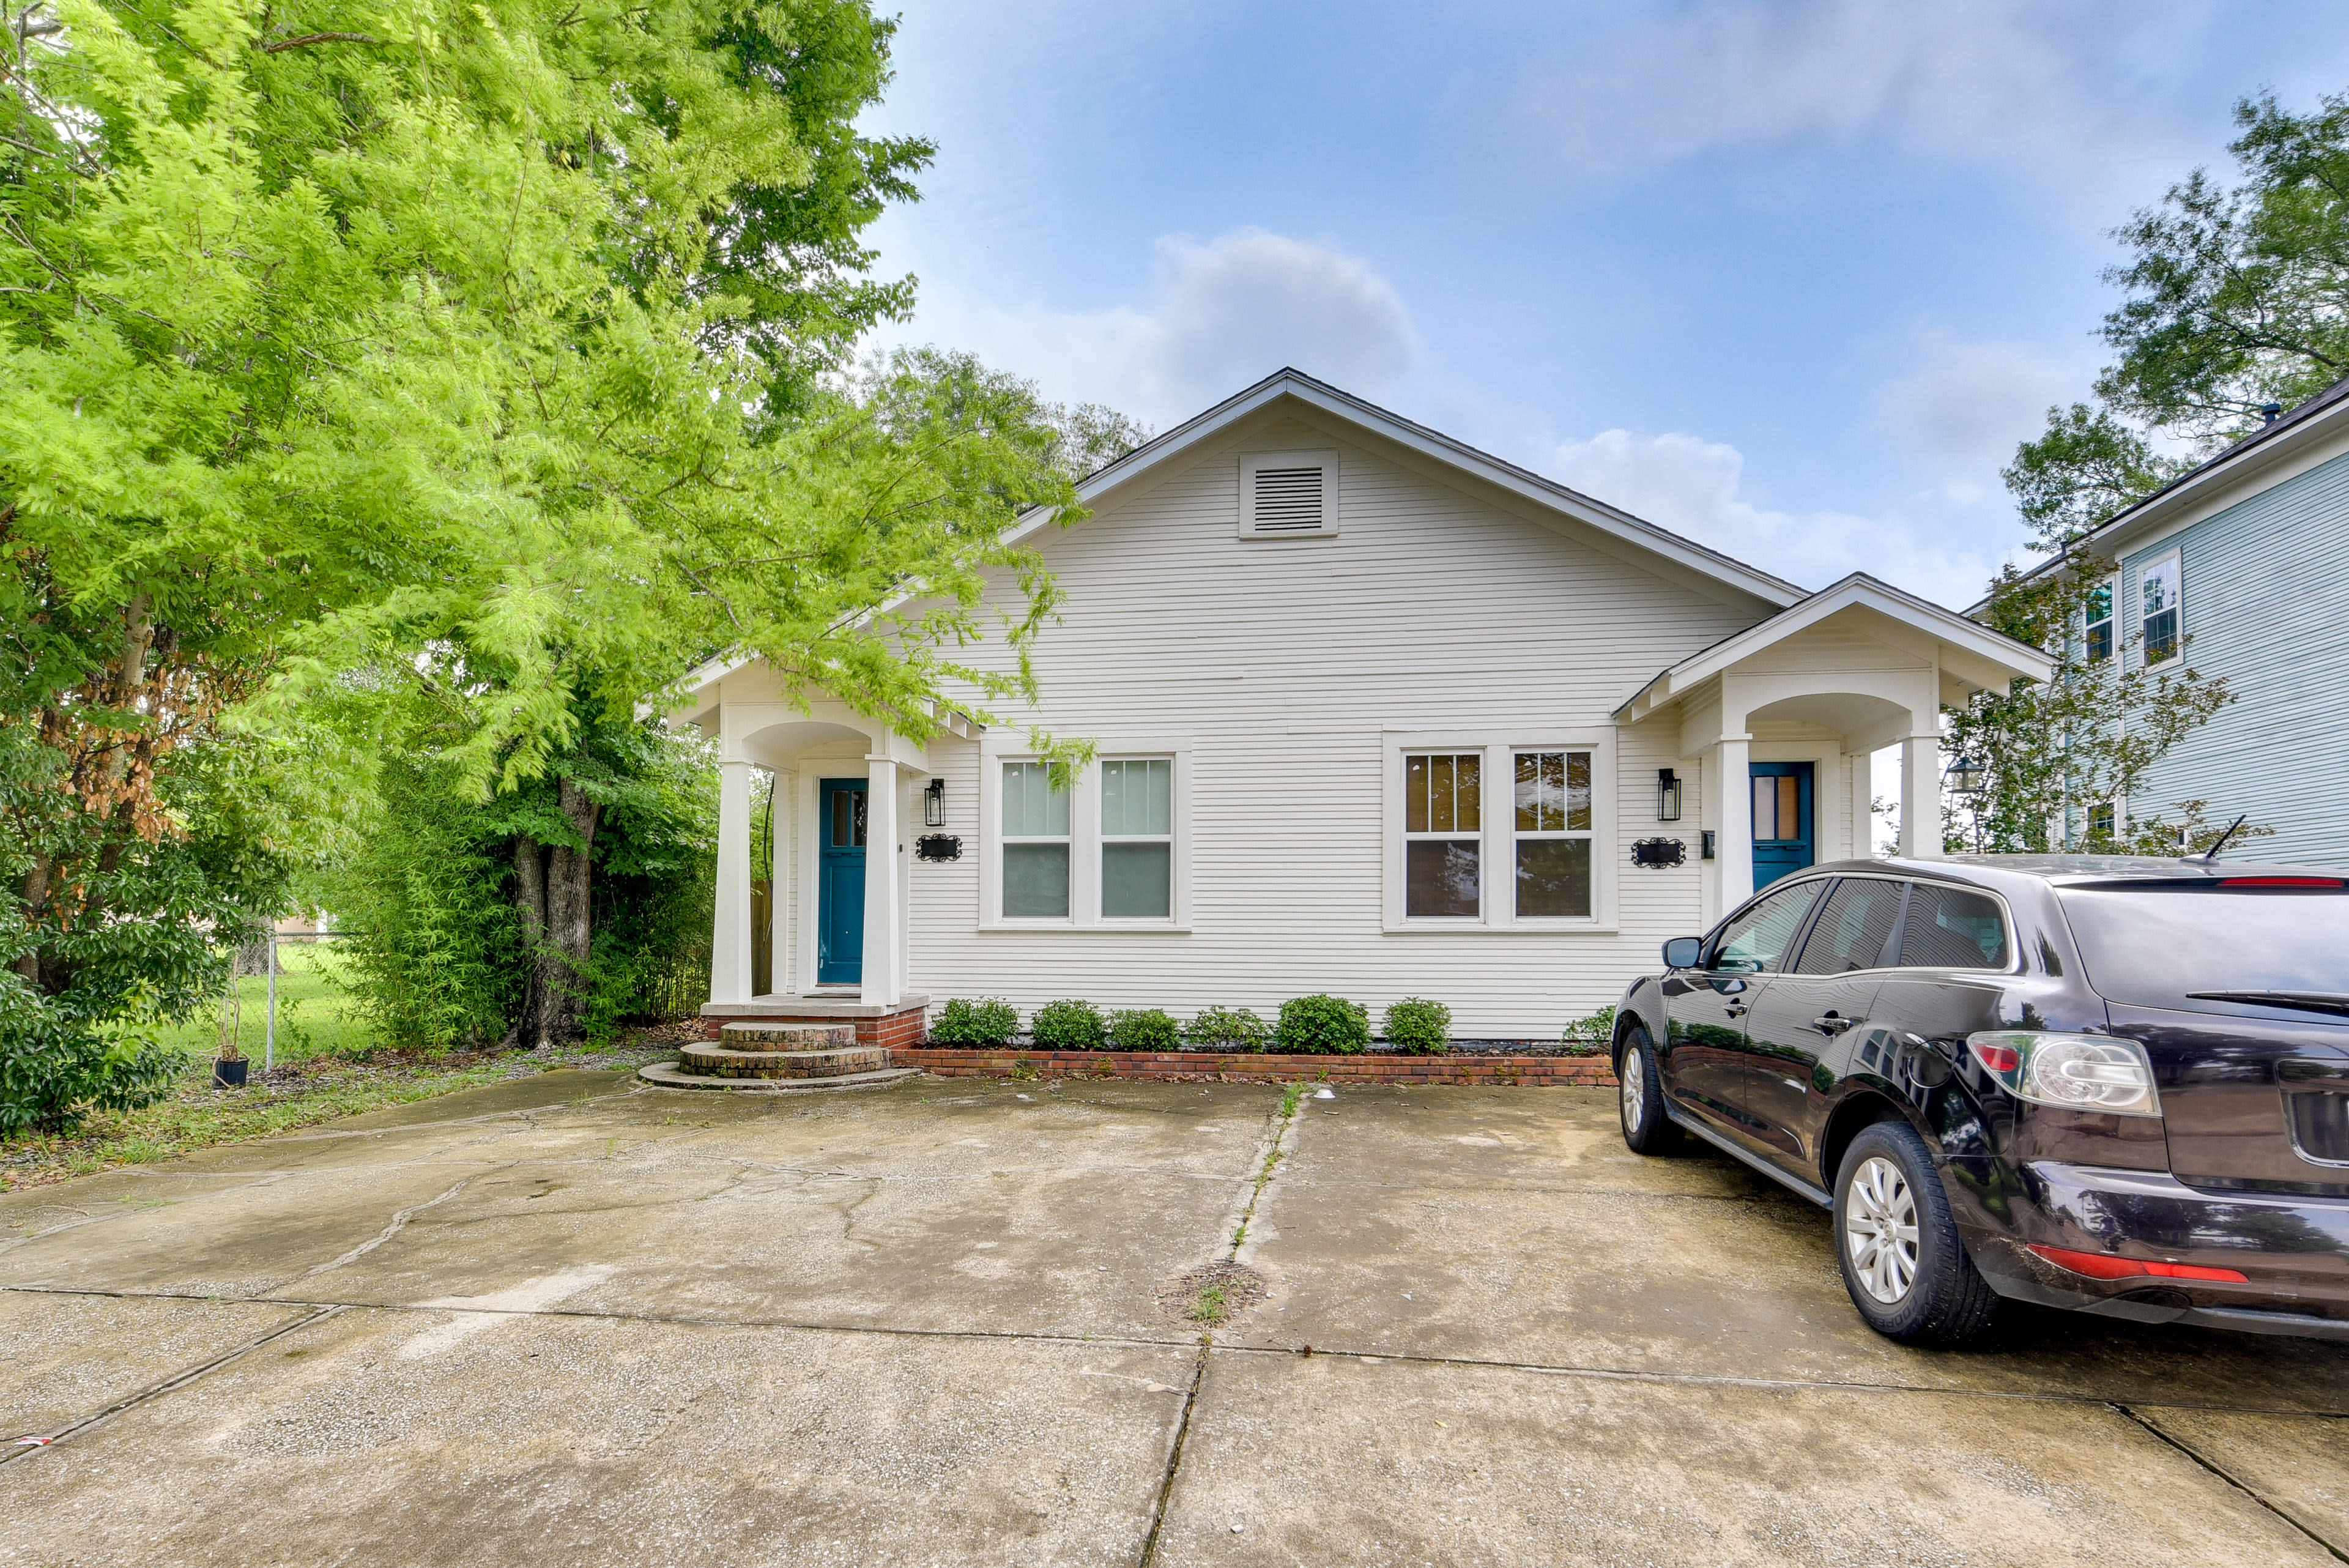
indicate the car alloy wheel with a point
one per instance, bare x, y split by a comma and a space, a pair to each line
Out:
1635, 1087
1880, 1230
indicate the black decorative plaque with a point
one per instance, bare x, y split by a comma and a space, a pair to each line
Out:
1658, 852
938, 846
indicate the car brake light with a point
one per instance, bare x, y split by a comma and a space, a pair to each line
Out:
2278, 882
2105, 1266
1997, 1058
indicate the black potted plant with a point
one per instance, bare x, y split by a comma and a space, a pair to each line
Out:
228, 1068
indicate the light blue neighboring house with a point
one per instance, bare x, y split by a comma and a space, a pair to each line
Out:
2243, 558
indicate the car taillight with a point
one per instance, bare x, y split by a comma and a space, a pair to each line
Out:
2078, 1072
2105, 1266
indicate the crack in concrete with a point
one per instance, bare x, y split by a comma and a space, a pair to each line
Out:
2222, 1473
1372, 1357
1175, 1455
177, 1380
399, 1223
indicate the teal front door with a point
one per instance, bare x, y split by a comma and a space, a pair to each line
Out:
839, 889
1783, 840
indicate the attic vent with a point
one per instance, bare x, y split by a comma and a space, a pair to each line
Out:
1288, 494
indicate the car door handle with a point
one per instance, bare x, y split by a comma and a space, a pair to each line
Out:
1828, 1023
1735, 1009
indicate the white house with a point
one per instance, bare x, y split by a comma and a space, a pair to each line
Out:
1375, 714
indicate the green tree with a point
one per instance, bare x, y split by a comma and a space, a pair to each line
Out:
2238, 302
382, 353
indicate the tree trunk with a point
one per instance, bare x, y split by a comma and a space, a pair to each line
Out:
529, 905
35, 896
570, 929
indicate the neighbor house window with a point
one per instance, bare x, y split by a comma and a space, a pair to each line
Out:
2158, 589
2099, 617
2101, 817
1442, 824
1035, 843
1137, 838
1553, 835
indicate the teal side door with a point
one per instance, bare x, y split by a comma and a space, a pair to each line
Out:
1783, 839
840, 888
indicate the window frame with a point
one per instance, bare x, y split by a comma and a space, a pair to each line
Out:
1103, 838
1004, 841
1498, 834
1085, 837
1517, 836
2111, 587
2174, 560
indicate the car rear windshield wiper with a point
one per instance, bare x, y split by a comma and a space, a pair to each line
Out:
2306, 1001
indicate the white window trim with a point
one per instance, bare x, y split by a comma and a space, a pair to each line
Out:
2167, 558
1084, 834
1499, 837
2112, 586
1325, 459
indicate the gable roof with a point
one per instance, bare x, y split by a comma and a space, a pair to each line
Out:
2309, 423
1978, 650
1549, 495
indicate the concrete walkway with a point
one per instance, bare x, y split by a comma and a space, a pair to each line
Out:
568, 1321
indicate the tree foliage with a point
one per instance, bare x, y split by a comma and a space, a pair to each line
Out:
2055, 750
2238, 302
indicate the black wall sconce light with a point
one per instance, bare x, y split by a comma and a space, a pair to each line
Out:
934, 804
1668, 795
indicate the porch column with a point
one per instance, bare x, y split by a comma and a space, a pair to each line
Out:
1861, 776
1736, 850
730, 935
782, 895
882, 925
1920, 796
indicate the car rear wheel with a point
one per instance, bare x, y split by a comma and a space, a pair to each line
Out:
1646, 1129
1906, 1269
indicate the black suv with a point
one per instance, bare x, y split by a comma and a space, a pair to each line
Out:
2112, 1084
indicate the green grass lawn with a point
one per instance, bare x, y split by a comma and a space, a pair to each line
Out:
314, 1017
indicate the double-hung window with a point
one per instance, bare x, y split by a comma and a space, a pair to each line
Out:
1443, 830
1553, 835
1035, 843
2098, 617
1137, 849
2158, 591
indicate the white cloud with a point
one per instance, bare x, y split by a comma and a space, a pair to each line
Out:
1964, 409
1220, 315
1696, 488
2028, 85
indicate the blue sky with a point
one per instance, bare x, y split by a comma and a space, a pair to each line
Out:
1790, 277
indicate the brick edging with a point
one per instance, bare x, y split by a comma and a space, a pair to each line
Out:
1216, 1066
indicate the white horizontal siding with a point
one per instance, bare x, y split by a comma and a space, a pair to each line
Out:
1282, 662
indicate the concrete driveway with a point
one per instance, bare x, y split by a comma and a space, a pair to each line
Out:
571, 1320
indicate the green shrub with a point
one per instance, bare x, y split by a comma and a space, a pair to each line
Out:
1226, 1029
1144, 1029
989, 1021
1069, 1026
1419, 1027
1323, 1025
1592, 1036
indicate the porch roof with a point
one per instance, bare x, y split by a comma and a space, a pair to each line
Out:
1968, 655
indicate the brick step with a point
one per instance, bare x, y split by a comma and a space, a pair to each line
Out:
721, 1061
772, 1036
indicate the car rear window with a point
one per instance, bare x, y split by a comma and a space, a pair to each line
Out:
2153, 947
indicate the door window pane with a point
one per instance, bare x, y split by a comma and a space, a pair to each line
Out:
1036, 881
1138, 880
1553, 878
1949, 927
847, 819
1778, 808
1757, 939
1440, 877
1852, 928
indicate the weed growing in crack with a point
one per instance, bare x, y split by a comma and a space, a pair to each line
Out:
1209, 1307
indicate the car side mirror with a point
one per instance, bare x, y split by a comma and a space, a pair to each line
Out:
1683, 952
